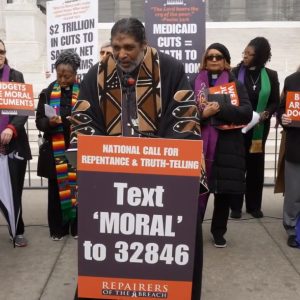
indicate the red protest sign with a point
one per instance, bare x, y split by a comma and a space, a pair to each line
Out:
228, 88
292, 107
16, 98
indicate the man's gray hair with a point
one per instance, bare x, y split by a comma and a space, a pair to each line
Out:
105, 44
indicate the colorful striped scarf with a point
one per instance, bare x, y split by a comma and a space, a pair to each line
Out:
263, 97
65, 174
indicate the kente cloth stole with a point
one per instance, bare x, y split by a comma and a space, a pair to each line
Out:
263, 97
148, 94
65, 174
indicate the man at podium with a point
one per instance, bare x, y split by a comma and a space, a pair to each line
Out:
138, 91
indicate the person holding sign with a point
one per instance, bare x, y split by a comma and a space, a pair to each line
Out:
290, 123
15, 146
263, 89
54, 108
138, 91
221, 120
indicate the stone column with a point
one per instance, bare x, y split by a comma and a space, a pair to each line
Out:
25, 27
24, 2
123, 9
2, 23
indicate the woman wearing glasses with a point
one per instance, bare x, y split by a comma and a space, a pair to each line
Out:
223, 142
14, 143
263, 90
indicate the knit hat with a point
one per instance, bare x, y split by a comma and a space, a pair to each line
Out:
222, 49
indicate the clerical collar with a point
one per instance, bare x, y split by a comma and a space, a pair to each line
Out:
252, 68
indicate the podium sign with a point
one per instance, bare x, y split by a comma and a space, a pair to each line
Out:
138, 201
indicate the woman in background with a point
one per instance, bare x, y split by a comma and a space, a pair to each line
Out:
61, 95
263, 90
14, 143
291, 206
224, 151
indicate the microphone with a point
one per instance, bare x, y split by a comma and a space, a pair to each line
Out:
128, 82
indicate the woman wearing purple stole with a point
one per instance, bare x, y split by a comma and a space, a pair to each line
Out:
223, 149
14, 147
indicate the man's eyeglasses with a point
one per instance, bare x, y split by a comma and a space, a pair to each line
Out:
217, 57
2, 52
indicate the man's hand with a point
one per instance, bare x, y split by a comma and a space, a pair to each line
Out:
286, 120
6, 136
54, 121
210, 109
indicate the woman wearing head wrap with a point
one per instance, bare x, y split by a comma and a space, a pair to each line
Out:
263, 89
14, 143
61, 95
223, 149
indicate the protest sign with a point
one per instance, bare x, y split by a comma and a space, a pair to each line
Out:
292, 107
72, 25
16, 98
177, 27
137, 217
229, 89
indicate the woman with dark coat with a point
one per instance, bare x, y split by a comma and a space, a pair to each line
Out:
14, 142
291, 205
223, 148
263, 89
61, 95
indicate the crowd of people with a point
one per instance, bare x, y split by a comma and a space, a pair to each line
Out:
234, 160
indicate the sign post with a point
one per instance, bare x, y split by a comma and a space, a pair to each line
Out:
137, 217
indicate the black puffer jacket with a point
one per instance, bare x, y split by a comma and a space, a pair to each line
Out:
228, 169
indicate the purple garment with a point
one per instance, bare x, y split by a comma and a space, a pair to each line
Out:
3, 122
208, 132
5, 78
241, 75
298, 231
5, 73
